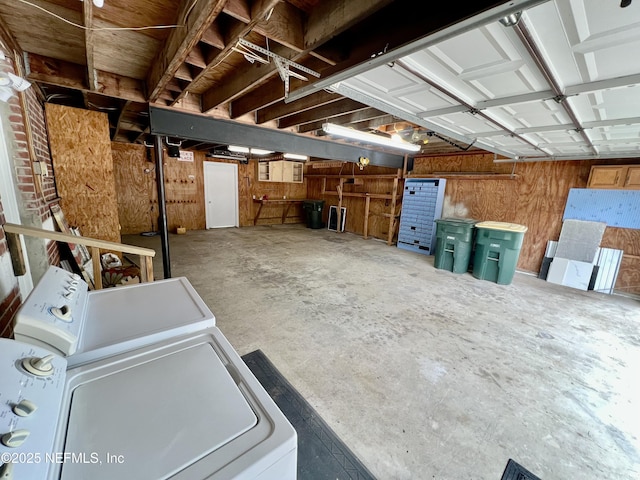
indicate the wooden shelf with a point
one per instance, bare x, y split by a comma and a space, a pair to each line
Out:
469, 176
319, 175
287, 202
392, 215
382, 196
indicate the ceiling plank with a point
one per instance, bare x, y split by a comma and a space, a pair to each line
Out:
285, 26
238, 9
282, 109
180, 42
196, 57
87, 8
326, 111
359, 116
330, 18
213, 36
258, 11
71, 75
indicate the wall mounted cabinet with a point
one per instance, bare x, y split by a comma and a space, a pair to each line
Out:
280, 171
615, 177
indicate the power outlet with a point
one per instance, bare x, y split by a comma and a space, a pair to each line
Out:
40, 168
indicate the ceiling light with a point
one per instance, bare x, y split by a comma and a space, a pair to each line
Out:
237, 149
295, 156
258, 151
341, 131
254, 151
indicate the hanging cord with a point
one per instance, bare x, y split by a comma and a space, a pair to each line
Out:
150, 27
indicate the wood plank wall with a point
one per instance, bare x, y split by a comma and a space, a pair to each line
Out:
135, 187
378, 225
184, 191
536, 198
137, 191
81, 155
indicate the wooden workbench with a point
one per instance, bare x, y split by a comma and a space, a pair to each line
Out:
287, 203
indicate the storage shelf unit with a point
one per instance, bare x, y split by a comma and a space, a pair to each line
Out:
393, 198
421, 206
280, 171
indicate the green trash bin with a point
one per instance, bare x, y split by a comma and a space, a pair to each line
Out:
497, 248
313, 212
454, 239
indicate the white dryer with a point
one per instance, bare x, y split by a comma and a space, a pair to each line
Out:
62, 315
186, 407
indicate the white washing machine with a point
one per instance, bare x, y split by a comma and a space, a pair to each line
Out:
186, 407
62, 315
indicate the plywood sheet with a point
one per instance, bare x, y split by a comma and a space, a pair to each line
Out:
536, 199
83, 165
135, 182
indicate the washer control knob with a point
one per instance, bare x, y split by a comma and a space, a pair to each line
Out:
6, 471
24, 408
40, 367
63, 313
15, 439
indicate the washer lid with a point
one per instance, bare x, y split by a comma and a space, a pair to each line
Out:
156, 418
164, 307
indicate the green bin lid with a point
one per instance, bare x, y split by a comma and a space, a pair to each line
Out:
509, 227
457, 221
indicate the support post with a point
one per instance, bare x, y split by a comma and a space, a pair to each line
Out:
162, 208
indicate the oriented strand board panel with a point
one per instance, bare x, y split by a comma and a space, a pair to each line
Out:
135, 182
83, 164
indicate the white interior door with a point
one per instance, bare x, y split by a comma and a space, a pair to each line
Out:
221, 194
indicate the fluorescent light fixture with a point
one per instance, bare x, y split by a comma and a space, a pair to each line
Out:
258, 151
254, 151
341, 131
295, 156
237, 149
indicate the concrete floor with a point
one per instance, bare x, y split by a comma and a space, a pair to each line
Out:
423, 373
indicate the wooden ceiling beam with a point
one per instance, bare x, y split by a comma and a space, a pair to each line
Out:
285, 26
333, 109
181, 41
92, 78
71, 75
282, 109
316, 34
258, 10
359, 116
330, 18
374, 123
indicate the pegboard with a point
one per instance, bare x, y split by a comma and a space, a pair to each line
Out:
617, 208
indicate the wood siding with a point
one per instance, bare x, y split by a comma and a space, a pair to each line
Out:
536, 197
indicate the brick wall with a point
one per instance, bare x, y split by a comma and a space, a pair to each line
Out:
25, 135
11, 296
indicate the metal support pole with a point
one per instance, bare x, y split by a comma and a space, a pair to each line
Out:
162, 207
